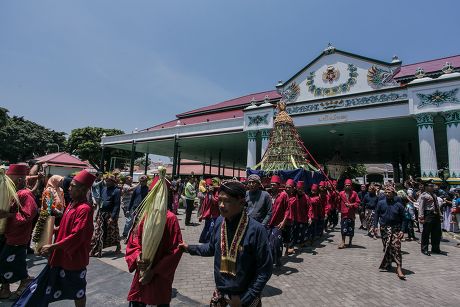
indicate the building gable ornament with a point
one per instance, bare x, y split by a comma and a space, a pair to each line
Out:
252, 135
346, 103
424, 120
330, 91
438, 98
331, 74
379, 77
448, 68
452, 118
258, 120
291, 92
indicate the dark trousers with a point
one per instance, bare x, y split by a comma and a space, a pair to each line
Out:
137, 304
431, 228
188, 210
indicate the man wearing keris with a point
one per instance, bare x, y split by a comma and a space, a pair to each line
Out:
153, 249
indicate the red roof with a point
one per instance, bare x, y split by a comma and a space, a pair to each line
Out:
217, 111
200, 119
243, 100
62, 159
428, 66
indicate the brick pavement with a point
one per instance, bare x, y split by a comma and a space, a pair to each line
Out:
319, 276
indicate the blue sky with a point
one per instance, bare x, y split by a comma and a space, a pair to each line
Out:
132, 64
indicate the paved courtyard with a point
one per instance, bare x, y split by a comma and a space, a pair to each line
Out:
318, 276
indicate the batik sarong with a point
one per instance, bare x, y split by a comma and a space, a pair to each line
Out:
370, 214
275, 239
391, 245
105, 234
13, 266
299, 232
205, 236
53, 284
347, 227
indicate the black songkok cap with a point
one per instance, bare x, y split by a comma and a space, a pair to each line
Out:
233, 188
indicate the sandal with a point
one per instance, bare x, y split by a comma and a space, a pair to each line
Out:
341, 246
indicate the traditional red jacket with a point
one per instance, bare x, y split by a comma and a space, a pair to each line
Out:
300, 208
19, 226
353, 200
210, 206
74, 238
318, 207
280, 209
168, 255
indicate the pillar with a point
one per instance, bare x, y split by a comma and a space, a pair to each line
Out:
133, 157
146, 163
396, 173
102, 163
428, 162
175, 152
252, 149
265, 139
452, 121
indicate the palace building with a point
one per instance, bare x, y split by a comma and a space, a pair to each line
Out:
344, 105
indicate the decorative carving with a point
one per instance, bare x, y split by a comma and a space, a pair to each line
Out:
448, 68
265, 133
329, 49
379, 77
437, 98
291, 92
424, 120
330, 91
452, 118
419, 73
331, 74
252, 135
258, 120
346, 103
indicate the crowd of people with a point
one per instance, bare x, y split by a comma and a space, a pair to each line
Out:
247, 226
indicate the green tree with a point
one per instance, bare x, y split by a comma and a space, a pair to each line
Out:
354, 170
3, 116
21, 139
86, 144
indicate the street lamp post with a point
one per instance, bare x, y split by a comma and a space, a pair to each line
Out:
57, 145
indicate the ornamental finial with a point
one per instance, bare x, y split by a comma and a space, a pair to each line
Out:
448, 68
419, 73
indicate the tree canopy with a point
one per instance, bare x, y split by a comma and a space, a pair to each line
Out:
21, 139
85, 143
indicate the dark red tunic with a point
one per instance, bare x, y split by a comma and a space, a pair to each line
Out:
210, 206
280, 209
158, 291
353, 200
74, 238
19, 226
302, 209
318, 207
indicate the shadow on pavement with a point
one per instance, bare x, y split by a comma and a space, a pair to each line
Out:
270, 291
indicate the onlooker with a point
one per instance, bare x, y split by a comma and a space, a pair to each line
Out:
96, 190
137, 196
259, 202
190, 195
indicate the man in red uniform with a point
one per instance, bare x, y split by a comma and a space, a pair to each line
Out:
209, 211
318, 211
13, 249
300, 211
279, 219
157, 288
64, 278
349, 203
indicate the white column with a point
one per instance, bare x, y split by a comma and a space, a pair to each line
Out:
252, 149
452, 120
428, 163
265, 139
